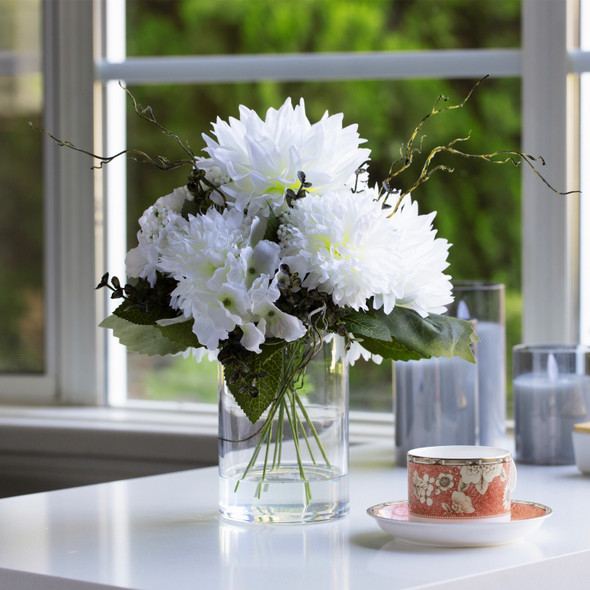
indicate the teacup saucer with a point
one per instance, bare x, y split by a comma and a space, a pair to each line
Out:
393, 518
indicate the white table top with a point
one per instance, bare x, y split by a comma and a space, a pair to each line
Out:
163, 532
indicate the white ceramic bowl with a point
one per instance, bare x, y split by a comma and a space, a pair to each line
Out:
581, 438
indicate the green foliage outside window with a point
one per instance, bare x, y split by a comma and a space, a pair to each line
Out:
478, 205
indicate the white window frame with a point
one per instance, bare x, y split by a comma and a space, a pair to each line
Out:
76, 225
551, 231
581, 63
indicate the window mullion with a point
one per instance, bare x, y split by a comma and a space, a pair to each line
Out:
113, 141
550, 233
72, 219
583, 68
383, 65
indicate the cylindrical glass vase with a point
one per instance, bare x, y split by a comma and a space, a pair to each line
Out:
551, 394
483, 302
291, 465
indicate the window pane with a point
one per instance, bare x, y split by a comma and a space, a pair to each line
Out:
478, 205
217, 27
21, 222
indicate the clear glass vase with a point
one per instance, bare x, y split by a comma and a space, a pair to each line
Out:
291, 465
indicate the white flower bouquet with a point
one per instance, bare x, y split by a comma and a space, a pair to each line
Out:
276, 235
278, 238
276, 244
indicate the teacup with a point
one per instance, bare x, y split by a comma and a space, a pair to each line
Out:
460, 483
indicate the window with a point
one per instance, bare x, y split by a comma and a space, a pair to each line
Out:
205, 86
85, 104
24, 356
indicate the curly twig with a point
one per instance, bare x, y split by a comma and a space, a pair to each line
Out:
159, 162
407, 156
147, 114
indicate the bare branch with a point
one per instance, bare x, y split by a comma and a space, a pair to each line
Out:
159, 162
147, 114
407, 155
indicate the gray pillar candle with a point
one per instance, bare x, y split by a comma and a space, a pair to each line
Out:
491, 376
551, 394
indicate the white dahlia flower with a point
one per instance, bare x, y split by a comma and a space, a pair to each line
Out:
424, 286
342, 243
346, 245
262, 158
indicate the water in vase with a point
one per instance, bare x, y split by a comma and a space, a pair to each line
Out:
283, 497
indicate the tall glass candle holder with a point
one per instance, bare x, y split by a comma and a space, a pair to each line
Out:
435, 404
551, 394
451, 401
484, 303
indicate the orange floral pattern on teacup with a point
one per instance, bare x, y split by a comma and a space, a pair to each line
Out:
475, 490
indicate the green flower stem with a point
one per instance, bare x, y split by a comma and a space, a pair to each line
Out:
276, 461
264, 468
261, 438
313, 430
293, 425
301, 427
287, 406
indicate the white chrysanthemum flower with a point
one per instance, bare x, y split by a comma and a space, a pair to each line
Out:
263, 157
155, 223
216, 176
213, 173
343, 244
423, 285
200, 257
225, 281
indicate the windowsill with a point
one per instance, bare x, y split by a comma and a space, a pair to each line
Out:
48, 448
43, 448
149, 424
196, 421
119, 432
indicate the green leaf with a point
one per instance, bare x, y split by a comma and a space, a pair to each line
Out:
189, 207
434, 335
134, 314
366, 324
272, 228
181, 333
269, 363
142, 338
390, 350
